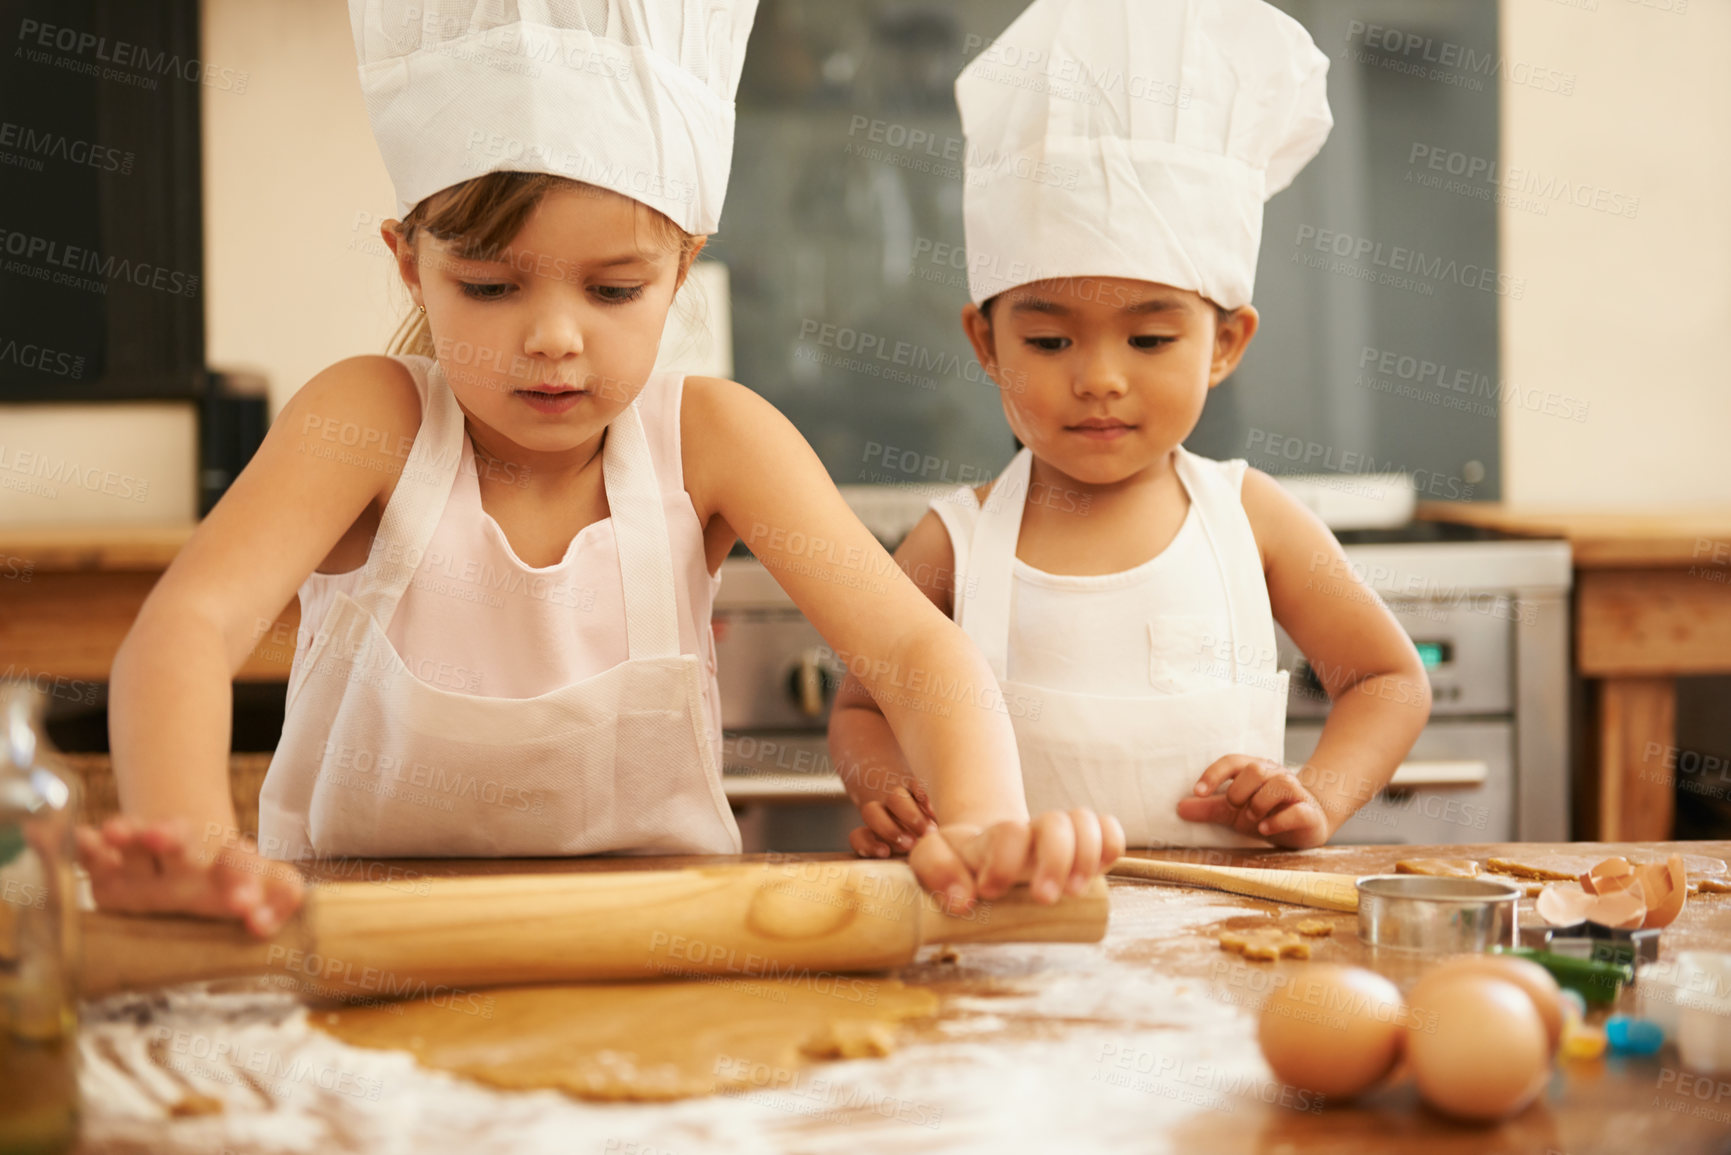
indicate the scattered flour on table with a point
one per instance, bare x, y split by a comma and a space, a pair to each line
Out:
1124, 1055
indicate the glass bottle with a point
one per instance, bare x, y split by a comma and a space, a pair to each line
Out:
38, 933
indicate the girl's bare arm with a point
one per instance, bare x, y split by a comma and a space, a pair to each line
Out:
1364, 659
333, 454
746, 463
861, 743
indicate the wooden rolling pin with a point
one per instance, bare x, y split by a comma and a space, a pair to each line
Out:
373, 940
1304, 888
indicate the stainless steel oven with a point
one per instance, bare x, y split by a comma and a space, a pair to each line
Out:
1489, 616
775, 694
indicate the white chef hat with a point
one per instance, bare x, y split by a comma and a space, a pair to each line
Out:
1135, 138
630, 95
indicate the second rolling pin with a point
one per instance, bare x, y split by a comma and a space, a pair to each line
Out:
1302, 888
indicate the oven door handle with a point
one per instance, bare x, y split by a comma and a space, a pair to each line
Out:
1463, 772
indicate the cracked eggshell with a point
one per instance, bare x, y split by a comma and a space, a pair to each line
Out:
1564, 905
1623, 910
1609, 876
1666, 888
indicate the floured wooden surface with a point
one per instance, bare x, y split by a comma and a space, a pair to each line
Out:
1036, 1045
1144, 1043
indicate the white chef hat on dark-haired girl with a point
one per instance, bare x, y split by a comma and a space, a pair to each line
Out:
1135, 138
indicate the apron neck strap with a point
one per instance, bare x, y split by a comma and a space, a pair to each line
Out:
1249, 614
417, 503
640, 531
983, 602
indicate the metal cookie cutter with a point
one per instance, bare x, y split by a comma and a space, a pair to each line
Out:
1419, 912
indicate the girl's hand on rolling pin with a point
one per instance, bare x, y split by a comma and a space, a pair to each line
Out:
150, 868
894, 824
1058, 852
1264, 799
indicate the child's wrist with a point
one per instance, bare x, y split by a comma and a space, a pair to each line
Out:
1335, 810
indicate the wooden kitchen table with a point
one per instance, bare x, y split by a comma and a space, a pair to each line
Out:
69, 595
1144, 1043
1652, 598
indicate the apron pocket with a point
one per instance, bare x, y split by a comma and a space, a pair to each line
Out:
1181, 654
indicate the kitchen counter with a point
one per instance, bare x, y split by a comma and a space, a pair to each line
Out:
1143, 1043
69, 595
1652, 603
1603, 538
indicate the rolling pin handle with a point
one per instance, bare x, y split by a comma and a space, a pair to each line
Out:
1016, 917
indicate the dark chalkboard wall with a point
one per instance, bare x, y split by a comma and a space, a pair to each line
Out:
101, 256
843, 237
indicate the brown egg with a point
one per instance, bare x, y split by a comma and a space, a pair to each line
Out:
1528, 975
1333, 1030
1476, 1045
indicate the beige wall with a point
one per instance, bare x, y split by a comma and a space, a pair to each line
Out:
295, 274
1630, 316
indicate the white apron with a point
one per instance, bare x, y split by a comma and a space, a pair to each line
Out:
377, 762
1136, 757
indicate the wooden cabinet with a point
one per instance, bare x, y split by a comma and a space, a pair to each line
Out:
1652, 604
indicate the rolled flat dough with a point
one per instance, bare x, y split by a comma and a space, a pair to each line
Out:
1564, 866
1545, 866
1531, 872
1439, 867
1466, 868
647, 1041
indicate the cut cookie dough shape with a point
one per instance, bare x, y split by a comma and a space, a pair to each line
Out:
851, 1039
1235, 940
1267, 950
642, 1041
1314, 927
1265, 944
